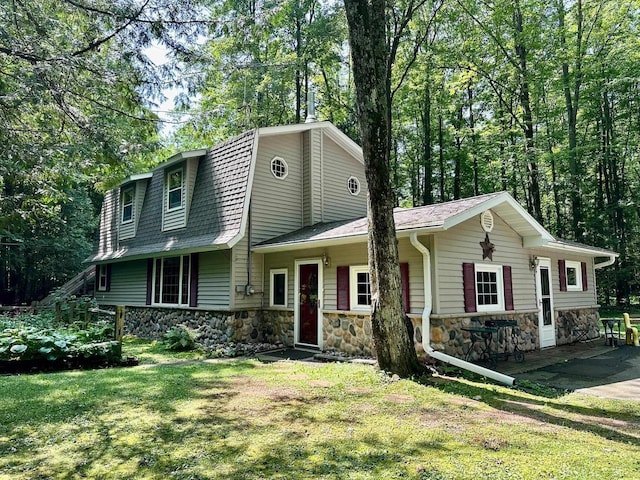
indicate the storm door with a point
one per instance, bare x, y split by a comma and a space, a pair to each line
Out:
546, 317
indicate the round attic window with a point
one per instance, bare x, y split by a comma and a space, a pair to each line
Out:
486, 220
353, 184
279, 168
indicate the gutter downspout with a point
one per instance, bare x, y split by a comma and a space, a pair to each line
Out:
426, 327
606, 263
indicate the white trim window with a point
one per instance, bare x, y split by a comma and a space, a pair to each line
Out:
102, 278
128, 195
278, 290
489, 288
171, 280
175, 189
359, 287
573, 274
353, 185
279, 168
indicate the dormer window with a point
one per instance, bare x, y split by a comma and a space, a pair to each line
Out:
127, 204
174, 189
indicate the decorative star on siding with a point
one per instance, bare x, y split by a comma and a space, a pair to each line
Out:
487, 248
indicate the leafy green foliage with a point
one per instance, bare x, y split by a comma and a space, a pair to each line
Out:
34, 337
180, 338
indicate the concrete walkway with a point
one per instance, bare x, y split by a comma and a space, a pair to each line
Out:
591, 368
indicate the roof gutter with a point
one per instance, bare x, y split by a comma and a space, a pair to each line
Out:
606, 263
426, 327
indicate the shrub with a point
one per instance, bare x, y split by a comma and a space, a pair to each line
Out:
180, 338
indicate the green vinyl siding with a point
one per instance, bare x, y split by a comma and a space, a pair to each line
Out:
213, 279
128, 284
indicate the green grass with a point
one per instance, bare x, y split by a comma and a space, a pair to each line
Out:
241, 419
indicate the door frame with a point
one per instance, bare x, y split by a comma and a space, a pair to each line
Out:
545, 262
296, 301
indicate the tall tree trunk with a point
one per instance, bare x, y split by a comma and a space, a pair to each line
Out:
533, 187
443, 195
571, 104
457, 176
474, 142
427, 184
371, 67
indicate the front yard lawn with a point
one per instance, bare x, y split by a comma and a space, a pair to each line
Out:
242, 419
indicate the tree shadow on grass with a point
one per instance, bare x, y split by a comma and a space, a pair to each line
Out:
605, 424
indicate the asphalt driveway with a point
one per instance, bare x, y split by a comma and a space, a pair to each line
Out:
615, 373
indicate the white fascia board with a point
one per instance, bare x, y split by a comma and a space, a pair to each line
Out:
533, 242
180, 156
585, 250
136, 177
293, 128
342, 139
499, 199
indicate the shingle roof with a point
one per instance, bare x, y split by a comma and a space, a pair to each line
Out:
216, 212
429, 216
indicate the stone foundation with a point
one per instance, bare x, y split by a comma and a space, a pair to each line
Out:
351, 333
448, 337
278, 327
574, 325
213, 327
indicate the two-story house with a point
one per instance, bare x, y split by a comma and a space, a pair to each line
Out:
264, 237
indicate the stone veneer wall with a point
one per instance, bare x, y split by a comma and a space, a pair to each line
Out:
278, 327
571, 323
350, 333
447, 335
213, 327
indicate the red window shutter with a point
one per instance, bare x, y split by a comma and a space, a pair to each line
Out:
149, 280
193, 280
108, 275
404, 277
469, 286
343, 288
562, 274
508, 287
585, 284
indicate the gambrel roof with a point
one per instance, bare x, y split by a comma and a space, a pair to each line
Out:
218, 211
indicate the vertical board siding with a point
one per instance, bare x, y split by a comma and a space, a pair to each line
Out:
276, 204
306, 179
213, 279
338, 166
128, 284
461, 244
316, 175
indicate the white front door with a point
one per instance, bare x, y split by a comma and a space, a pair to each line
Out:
546, 317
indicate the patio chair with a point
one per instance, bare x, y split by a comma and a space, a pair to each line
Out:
632, 332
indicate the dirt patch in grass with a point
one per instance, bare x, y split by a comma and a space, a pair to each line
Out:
398, 398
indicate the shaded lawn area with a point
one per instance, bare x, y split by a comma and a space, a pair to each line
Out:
241, 419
